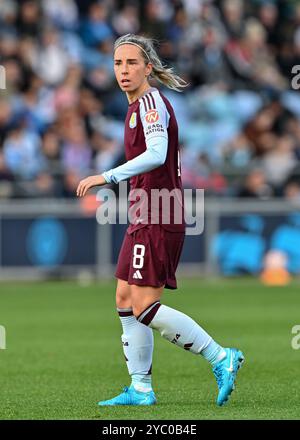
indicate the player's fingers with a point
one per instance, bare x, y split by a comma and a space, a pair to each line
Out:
82, 191
85, 188
79, 189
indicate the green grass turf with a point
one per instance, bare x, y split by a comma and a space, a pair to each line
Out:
64, 352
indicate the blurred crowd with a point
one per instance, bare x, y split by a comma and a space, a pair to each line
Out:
62, 114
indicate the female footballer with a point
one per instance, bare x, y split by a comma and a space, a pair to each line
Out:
152, 246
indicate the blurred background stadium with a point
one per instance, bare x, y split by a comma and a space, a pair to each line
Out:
62, 116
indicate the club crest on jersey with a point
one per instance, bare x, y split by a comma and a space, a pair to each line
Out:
152, 116
132, 121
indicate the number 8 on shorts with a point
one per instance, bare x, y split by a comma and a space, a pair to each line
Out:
138, 256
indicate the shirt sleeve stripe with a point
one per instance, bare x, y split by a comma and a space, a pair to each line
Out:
148, 100
145, 107
152, 99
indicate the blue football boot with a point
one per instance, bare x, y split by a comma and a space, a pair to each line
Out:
130, 396
225, 372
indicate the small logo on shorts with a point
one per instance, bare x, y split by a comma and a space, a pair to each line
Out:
137, 275
132, 121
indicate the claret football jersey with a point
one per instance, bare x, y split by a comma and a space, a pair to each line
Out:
161, 200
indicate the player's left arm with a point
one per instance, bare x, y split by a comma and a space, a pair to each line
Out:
156, 138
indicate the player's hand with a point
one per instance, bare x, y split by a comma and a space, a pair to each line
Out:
89, 182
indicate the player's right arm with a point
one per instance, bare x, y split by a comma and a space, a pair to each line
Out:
155, 121
155, 155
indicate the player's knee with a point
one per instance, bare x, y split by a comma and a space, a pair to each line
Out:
123, 299
123, 302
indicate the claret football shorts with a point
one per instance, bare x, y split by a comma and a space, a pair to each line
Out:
149, 257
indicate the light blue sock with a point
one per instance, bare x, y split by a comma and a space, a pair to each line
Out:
137, 341
213, 353
141, 382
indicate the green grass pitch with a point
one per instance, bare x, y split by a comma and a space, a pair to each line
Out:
64, 352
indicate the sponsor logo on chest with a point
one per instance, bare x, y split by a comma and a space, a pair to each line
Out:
132, 121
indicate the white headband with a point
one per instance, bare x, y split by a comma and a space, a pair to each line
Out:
135, 44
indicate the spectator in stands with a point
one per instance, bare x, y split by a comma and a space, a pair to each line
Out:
292, 192
6, 179
76, 153
22, 152
95, 28
51, 62
255, 186
279, 161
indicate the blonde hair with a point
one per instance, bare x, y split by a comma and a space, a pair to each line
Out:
162, 73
